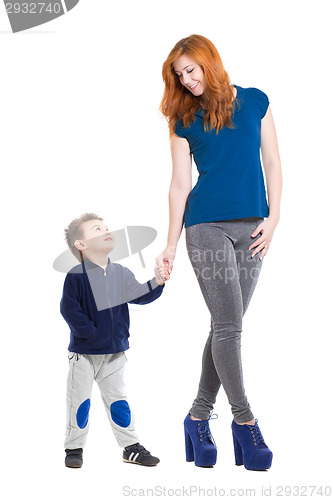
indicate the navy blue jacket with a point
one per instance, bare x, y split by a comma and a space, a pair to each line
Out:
94, 304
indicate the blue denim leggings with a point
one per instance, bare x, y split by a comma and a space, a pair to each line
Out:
227, 276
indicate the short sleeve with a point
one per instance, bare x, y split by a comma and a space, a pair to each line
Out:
179, 129
261, 100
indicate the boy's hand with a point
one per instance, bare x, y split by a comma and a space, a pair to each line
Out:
163, 272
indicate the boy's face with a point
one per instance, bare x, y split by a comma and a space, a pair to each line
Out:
96, 237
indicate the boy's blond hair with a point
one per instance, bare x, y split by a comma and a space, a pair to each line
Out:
74, 232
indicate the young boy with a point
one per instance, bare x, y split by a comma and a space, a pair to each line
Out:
94, 304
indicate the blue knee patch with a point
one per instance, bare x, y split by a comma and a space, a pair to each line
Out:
121, 413
83, 414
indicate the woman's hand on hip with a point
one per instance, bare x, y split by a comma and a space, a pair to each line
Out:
166, 257
266, 228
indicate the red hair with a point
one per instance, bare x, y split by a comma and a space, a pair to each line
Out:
179, 103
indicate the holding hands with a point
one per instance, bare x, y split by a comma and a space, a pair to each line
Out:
164, 264
162, 273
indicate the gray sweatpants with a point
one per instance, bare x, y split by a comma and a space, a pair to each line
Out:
108, 371
227, 276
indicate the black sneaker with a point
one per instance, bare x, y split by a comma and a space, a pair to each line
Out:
73, 458
137, 454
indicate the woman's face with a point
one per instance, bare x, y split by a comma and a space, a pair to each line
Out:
190, 74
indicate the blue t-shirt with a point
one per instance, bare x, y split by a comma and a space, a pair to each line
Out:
231, 182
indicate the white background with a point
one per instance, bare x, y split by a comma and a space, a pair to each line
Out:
81, 131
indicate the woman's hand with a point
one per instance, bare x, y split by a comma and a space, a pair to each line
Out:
163, 272
165, 258
266, 228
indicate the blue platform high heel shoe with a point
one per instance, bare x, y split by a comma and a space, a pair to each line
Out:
199, 443
250, 447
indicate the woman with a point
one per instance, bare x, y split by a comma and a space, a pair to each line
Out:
228, 224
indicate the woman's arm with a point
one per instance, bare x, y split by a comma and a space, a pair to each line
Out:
180, 188
273, 174
272, 165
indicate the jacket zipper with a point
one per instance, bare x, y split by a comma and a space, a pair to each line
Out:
112, 314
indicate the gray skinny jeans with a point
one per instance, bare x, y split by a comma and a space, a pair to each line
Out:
227, 275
